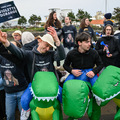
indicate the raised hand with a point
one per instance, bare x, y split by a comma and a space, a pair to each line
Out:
53, 33
3, 38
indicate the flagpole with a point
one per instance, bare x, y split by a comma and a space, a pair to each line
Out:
105, 6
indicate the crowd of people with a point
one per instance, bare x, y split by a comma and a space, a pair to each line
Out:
21, 58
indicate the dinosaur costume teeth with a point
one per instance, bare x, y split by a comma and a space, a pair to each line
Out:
103, 100
43, 98
107, 85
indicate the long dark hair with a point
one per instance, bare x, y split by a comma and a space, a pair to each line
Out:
82, 24
50, 21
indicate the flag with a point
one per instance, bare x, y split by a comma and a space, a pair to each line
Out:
8, 11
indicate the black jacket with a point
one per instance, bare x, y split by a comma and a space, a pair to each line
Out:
17, 71
90, 30
66, 30
31, 45
58, 31
83, 60
42, 61
117, 36
113, 48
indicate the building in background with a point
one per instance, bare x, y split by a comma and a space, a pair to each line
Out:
60, 12
99, 15
98, 23
64, 12
97, 20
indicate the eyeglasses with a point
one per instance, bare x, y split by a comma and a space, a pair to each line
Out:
16, 35
108, 29
8, 73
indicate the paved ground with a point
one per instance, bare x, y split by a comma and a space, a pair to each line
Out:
107, 112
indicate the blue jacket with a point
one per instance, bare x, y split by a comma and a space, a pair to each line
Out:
108, 22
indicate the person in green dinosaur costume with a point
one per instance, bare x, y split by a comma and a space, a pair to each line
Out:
44, 105
107, 87
77, 99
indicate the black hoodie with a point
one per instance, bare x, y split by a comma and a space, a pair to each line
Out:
18, 81
113, 48
85, 60
43, 62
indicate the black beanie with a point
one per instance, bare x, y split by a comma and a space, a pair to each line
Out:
108, 15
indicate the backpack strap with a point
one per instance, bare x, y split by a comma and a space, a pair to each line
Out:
32, 70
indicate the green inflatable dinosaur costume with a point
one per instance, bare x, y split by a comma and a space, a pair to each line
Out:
77, 99
107, 87
44, 105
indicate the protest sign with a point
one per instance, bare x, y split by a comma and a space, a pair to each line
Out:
8, 11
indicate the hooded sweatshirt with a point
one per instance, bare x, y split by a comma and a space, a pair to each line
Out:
17, 81
27, 37
66, 31
31, 45
117, 36
43, 62
113, 47
85, 60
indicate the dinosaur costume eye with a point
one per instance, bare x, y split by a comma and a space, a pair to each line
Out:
84, 100
116, 84
34, 79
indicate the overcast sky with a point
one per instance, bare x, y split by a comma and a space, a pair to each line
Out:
40, 7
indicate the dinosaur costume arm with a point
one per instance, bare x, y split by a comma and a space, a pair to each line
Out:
89, 110
35, 114
32, 105
57, 114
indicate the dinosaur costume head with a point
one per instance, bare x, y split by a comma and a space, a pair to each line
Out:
44, 104
75, 98
107, 85
44, 87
